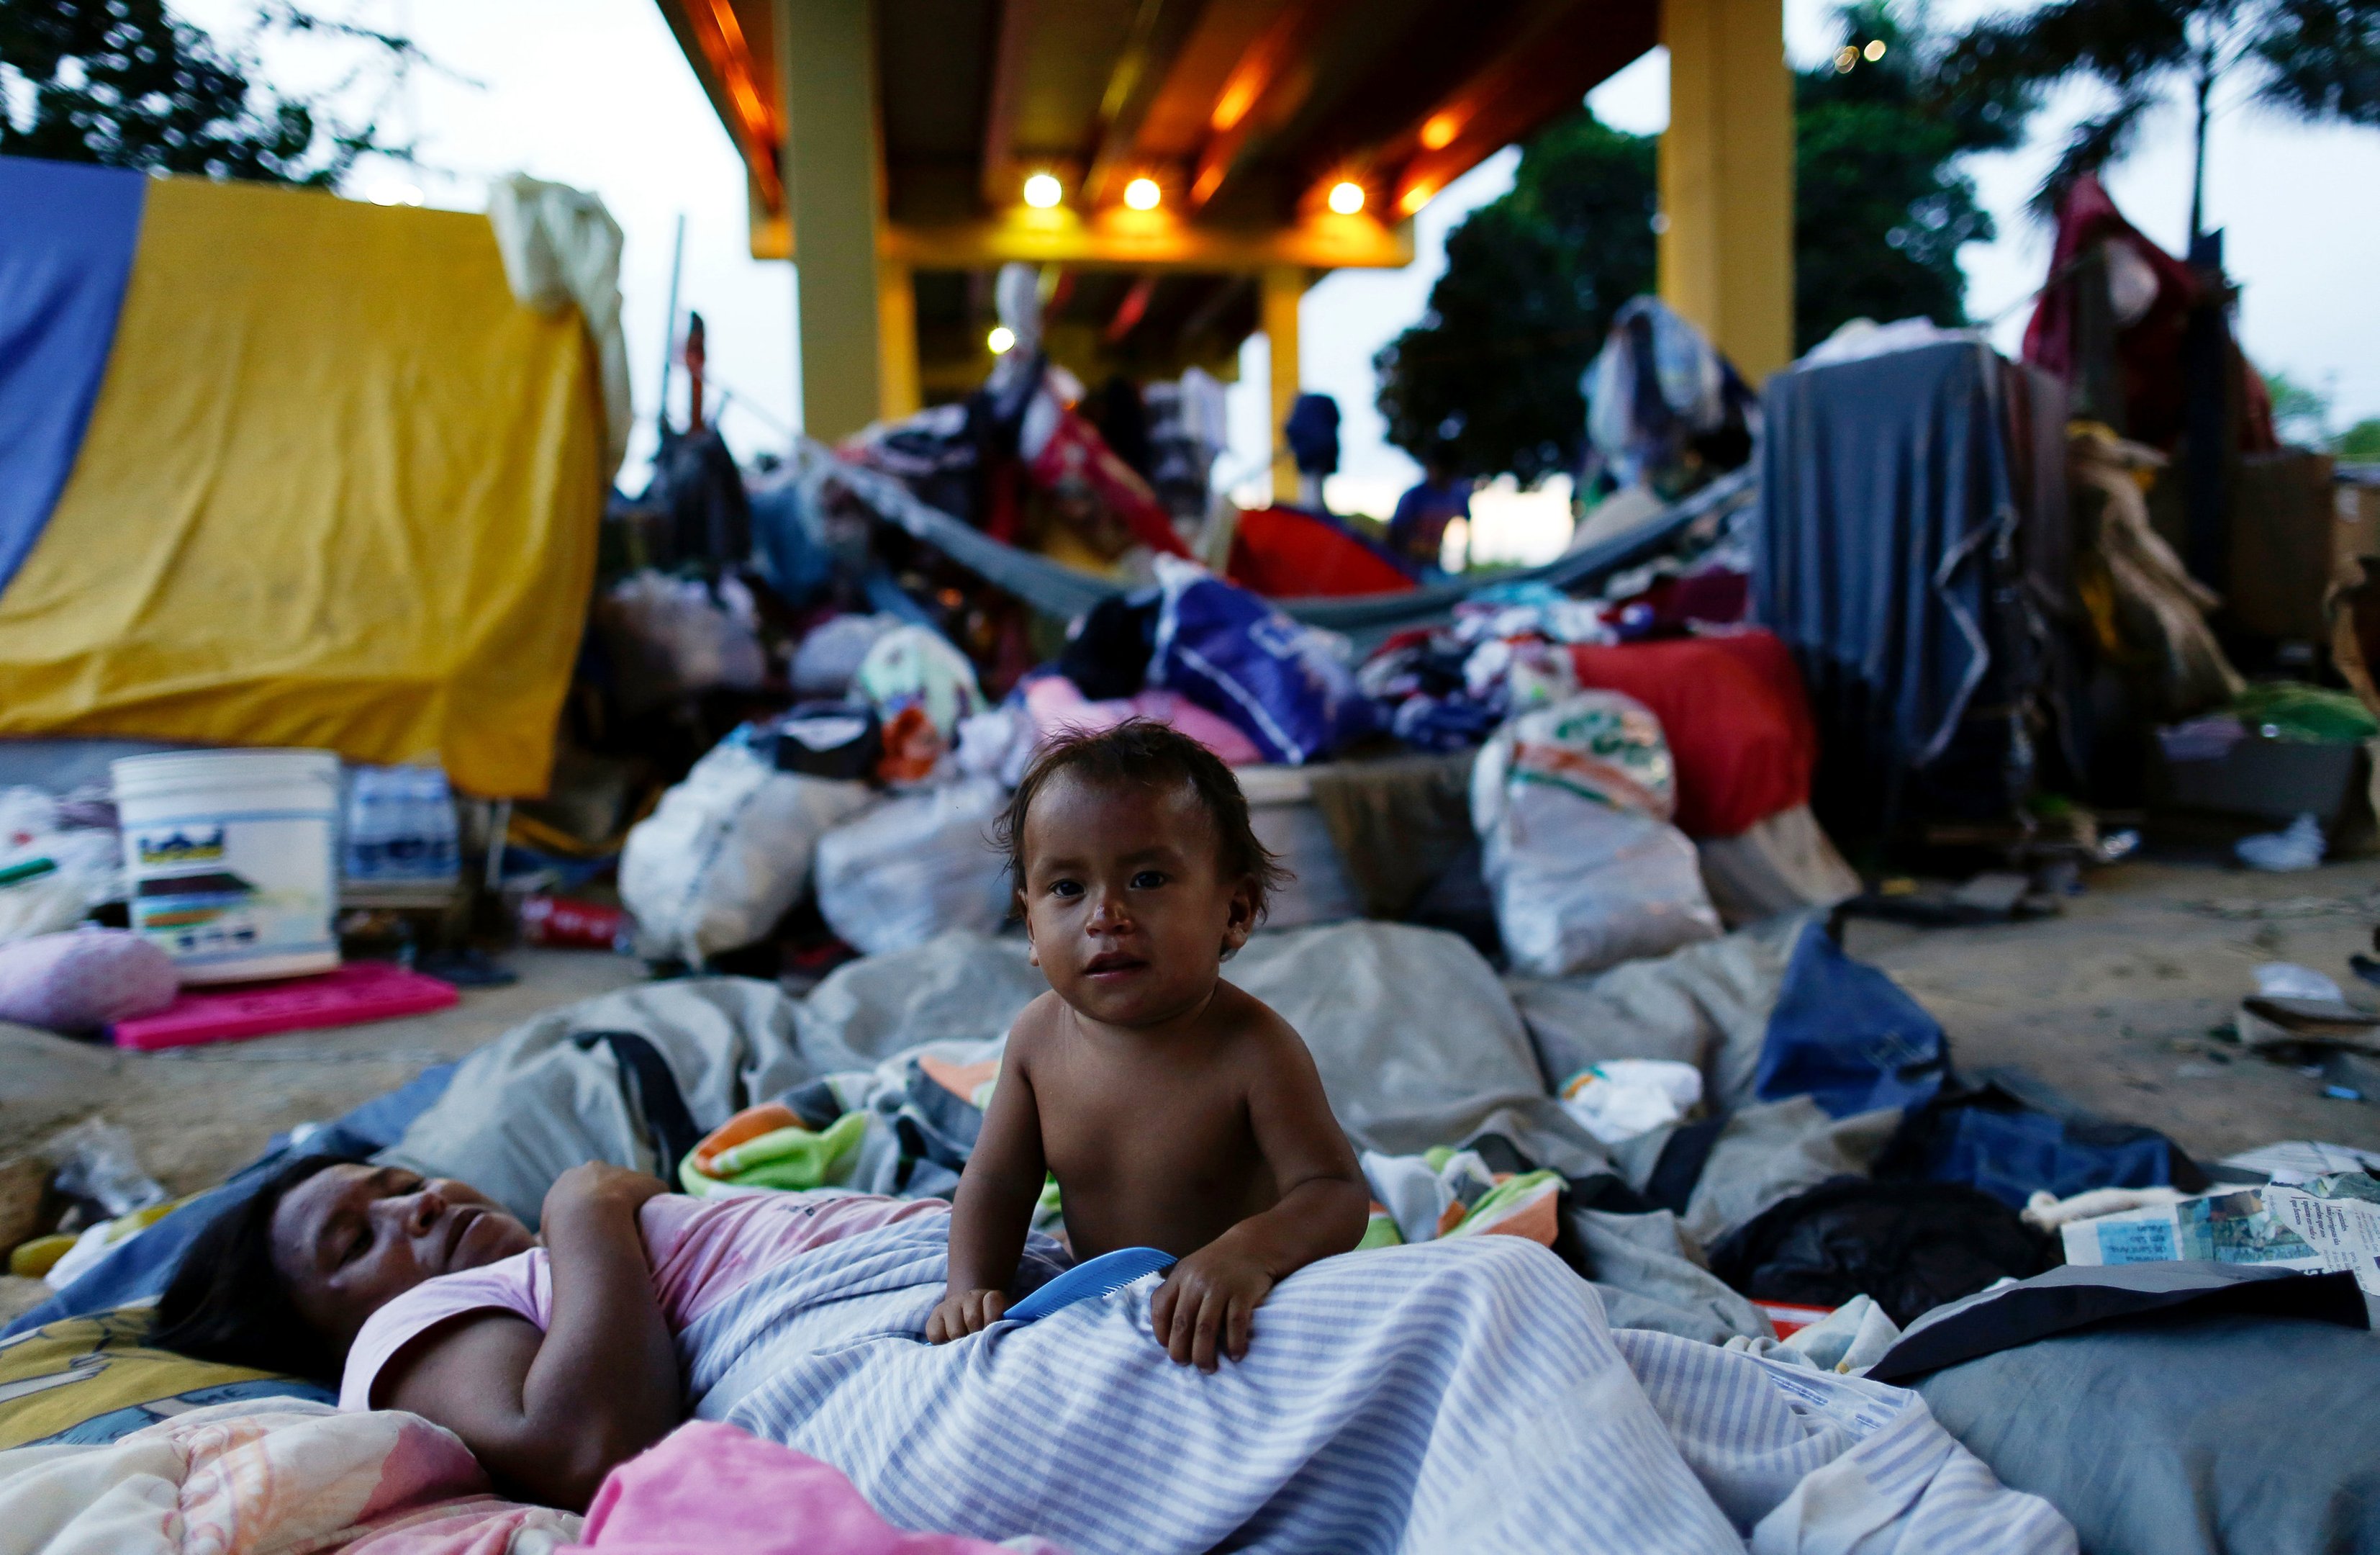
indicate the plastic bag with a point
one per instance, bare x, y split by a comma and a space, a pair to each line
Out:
671, 637
915, 866
727, 852
1286, 686
1572, 804
1622, 1098
96, 1160
915, 666
51, 872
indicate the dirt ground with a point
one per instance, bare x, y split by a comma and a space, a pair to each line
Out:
2116, 1003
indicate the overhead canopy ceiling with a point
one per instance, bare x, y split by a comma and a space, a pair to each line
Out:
1244, 112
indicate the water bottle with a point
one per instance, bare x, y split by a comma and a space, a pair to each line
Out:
442, 842
373, 816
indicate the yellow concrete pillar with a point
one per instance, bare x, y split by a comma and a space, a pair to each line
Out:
1281, 288
898, 391
826, 57
1726, 177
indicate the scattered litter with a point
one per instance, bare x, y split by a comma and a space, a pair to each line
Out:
2300, 847
2286, 979
2296, 1159
2046, 1212
1622, 1098
2364, 904
97, 1161
561, 923
2327, 1222
2269, 1025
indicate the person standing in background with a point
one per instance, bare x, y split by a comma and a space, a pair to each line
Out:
1417, 532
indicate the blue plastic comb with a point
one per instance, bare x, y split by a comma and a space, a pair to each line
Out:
1108, 1272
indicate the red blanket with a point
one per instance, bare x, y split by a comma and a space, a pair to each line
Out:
1738, 722
1283, 553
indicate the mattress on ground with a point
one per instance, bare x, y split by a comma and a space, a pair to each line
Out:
2186, 1437
93, 1380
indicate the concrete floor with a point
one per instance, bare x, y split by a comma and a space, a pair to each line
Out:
2115, 1004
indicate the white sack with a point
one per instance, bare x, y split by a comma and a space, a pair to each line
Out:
1572, 804
727, 852
915, 866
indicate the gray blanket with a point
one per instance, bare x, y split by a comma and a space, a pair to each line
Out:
1417, 1042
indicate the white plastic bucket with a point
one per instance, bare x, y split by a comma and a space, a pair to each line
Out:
231, 859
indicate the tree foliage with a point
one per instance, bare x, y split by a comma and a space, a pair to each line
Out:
127, 84
1880, 206
1487, 380
2316, 60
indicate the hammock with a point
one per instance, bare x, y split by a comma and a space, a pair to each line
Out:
1062, 592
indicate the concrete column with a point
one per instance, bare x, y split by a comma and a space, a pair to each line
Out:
1726, 177
826, 57
898, 391
1281, 288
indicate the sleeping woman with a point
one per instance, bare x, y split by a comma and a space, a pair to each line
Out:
1458, 1394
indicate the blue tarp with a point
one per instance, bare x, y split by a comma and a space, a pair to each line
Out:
67, 238
1845, 1036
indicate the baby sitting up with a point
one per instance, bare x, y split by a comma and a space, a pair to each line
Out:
1176, 1110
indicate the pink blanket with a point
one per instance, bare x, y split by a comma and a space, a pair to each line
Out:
708, 1488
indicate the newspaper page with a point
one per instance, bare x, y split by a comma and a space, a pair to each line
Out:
2233, 1227
2339, 1219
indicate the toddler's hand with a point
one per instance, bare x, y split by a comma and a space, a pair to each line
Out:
1211, 1295
969, 1312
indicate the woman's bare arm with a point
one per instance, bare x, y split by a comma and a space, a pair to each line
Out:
549, 1414
993, 1209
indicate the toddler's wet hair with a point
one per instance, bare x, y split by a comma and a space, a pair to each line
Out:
1157, 755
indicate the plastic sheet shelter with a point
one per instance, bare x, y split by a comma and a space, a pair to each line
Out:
334, 487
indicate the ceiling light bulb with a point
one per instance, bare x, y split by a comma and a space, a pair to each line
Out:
1874, 50
1438, 131
1001, 338
1845, 57
1415, 199
1142, 194
1042, 190
1346, 197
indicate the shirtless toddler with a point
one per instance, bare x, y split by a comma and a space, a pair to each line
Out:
1176, 1110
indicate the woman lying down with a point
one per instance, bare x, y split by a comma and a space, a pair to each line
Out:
1275, 1392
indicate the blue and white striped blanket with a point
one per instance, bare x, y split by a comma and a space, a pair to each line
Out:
1456, 1395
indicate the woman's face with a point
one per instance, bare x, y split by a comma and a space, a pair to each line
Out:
352, 1238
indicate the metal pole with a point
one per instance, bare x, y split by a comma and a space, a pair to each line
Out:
669, 329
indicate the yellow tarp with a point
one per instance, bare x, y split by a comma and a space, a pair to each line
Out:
340, 490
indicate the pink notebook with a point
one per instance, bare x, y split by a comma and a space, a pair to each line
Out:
359, 992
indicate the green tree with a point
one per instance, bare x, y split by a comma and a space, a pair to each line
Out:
129, 84
2301, 413
2360, 444
1487, 382
1488, 379
1880, 206
2313, 60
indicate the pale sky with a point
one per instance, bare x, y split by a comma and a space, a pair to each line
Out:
595, 94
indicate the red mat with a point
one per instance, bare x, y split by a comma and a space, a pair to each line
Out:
359, 992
